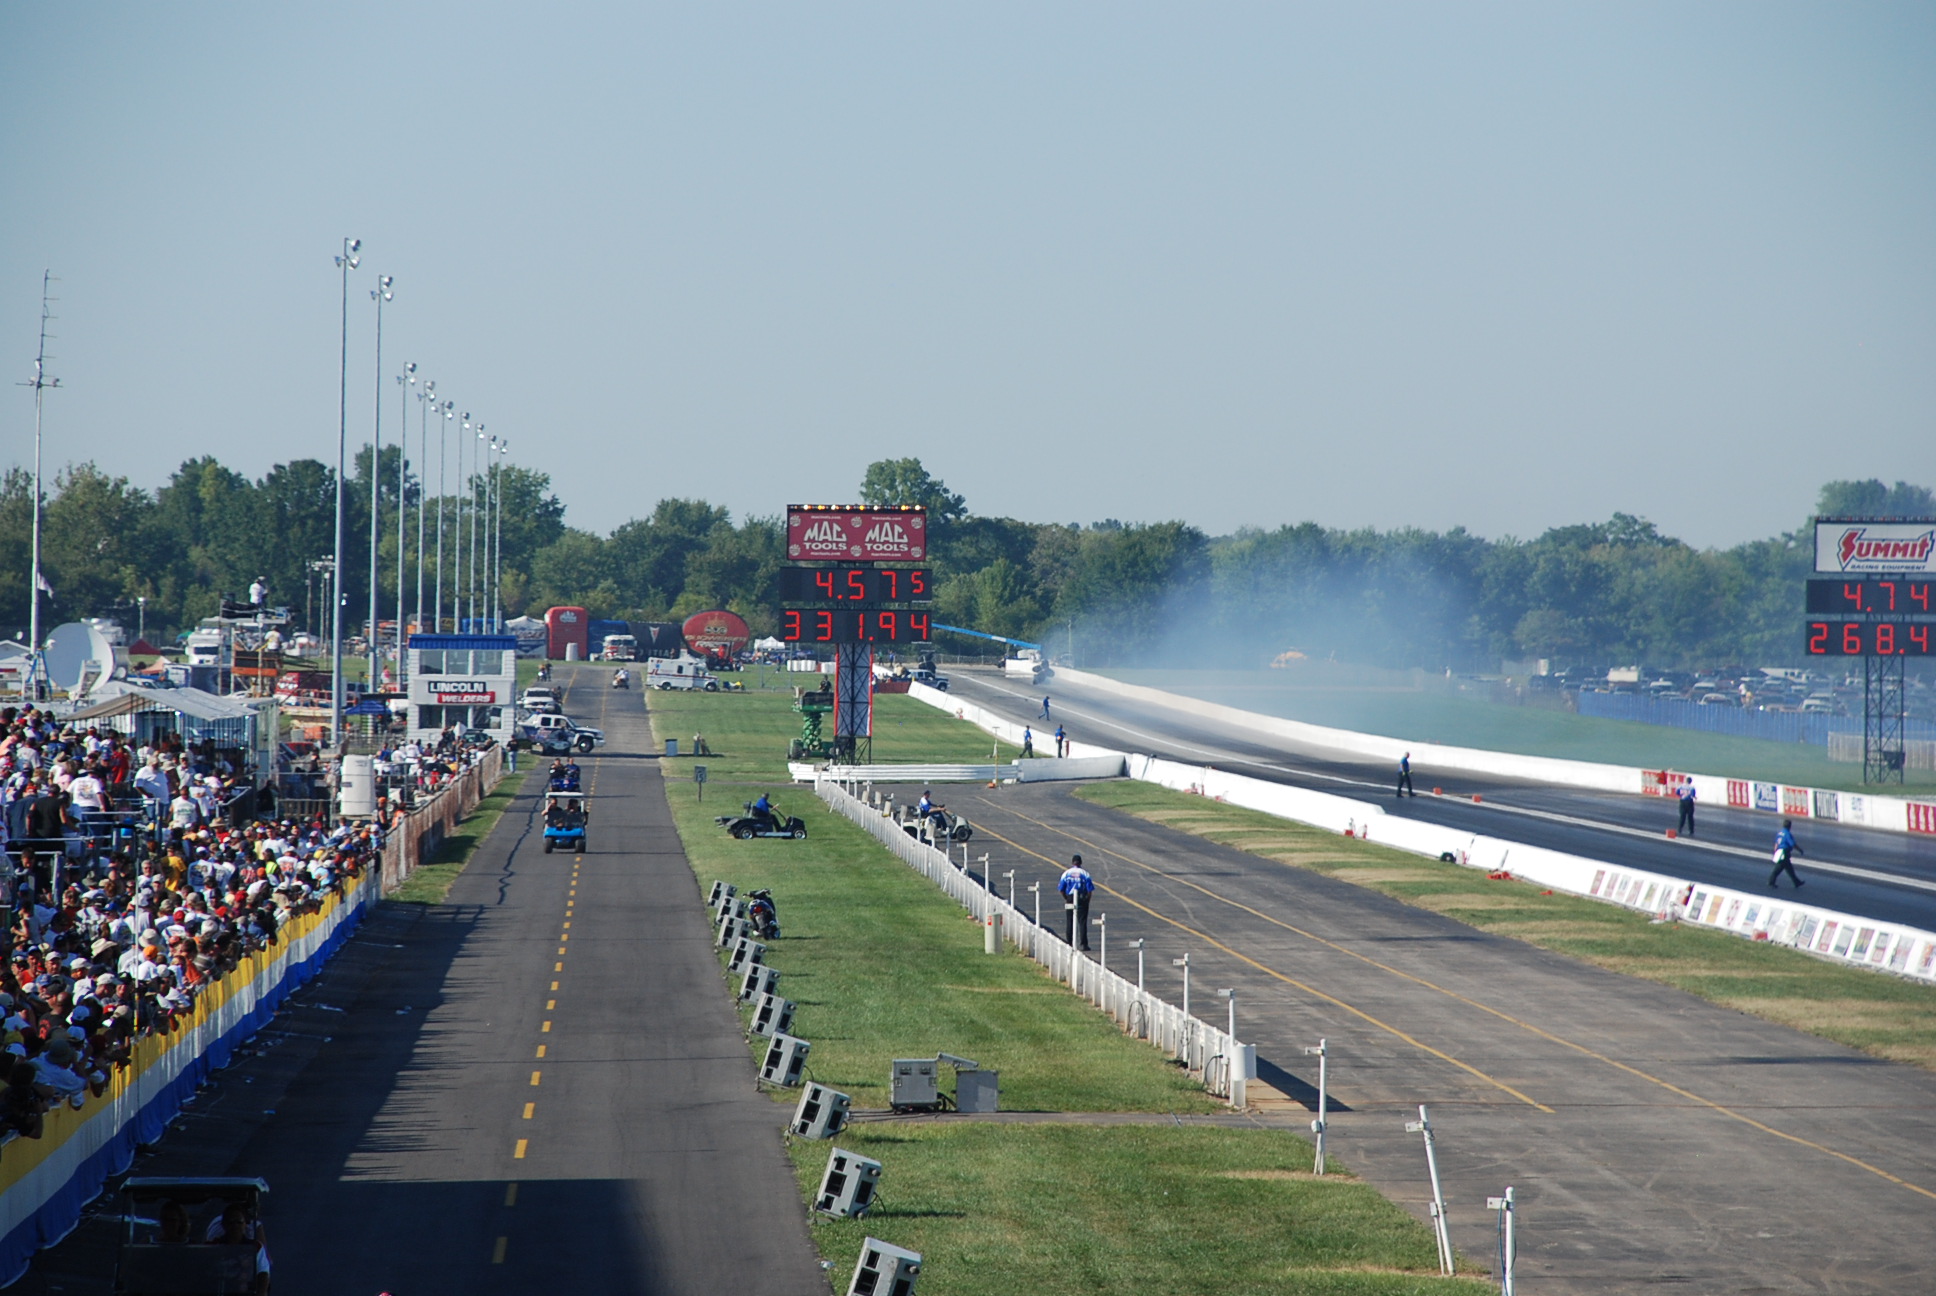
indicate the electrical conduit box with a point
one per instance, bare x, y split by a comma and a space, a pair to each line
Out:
786, 1056
977, 1090
746, 952
730, 930
772, 1016
760, 980
911, 1085
847, 1186
721, 891
884, 1270
822, 1113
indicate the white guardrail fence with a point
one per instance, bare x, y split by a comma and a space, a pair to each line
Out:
1837, 937
1224, 1065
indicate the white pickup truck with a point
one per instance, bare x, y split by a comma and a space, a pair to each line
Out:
552, 732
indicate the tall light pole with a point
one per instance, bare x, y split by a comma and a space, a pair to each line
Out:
476, 589
443, 459
425, 399
346, 263
457, 537
379, 294
497, 547
36, 583
405, 381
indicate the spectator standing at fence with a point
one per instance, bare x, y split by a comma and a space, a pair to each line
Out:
1405, 775
1076, 886
1686, 795
1786, 848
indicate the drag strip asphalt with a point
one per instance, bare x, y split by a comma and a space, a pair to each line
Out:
538, 1085
1651, 1137
1889, 877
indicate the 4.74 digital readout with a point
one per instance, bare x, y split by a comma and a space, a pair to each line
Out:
1872, 596
1868, 638
852, 625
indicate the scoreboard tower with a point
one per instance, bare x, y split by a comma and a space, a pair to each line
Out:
856, 577
1874, 596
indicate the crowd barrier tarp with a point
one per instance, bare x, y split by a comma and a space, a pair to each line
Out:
45, 1183
1829, 934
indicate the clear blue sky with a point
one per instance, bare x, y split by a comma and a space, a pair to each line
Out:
1505, 266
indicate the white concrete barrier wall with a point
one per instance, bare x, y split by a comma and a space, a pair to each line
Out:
1829, 934
1870, 810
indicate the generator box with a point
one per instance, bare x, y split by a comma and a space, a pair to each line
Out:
912, 1086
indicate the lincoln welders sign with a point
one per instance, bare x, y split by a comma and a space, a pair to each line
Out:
462, 692
824, 533
1852, 545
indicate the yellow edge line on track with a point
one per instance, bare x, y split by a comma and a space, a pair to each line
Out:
1413, 1040
1542, 1033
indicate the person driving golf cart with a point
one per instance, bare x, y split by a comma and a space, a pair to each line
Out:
763, 811
564, 775
560, 814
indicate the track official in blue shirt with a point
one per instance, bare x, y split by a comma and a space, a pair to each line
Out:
1076, 885
1786, 849
1686, 795
1404, 775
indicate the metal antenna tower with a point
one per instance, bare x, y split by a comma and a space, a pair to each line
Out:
36, 582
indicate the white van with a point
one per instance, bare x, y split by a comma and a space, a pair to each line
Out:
682, 672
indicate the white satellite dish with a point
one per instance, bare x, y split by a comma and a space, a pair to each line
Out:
79, 656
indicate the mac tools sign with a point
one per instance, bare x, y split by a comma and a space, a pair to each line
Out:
820, 534
1901, 547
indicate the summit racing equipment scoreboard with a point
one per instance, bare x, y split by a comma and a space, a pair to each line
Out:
1874, 594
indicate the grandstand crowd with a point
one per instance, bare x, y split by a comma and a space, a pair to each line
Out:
133, 885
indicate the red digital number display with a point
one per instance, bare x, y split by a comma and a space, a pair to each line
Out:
855, 586
1868, 638
853, 625
1871, 596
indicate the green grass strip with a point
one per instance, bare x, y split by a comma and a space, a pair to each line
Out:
432, 880
1880, 1014
883, 965
1159, 1211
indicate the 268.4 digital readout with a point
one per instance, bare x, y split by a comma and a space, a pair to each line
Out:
854, 585
852, 625
1868, 638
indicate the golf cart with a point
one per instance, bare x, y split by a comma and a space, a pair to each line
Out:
566, 814
165, 1244
753, 824
942, 826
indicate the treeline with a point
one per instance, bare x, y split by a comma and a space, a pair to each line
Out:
1112, 592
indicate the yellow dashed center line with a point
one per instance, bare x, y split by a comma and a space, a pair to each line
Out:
511, 1194
534, 1079
518, 1153
546, 1028
541, 1049
497, 1248
530, 1110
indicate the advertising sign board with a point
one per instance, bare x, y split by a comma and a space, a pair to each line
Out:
1854, 545
824, 533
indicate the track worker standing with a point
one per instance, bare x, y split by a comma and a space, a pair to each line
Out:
1404, 775
1076, 886
1786, 849
1686, 795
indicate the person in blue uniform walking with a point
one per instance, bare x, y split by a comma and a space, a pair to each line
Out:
1686, 794
1404, 775
1786, 848
1076, 885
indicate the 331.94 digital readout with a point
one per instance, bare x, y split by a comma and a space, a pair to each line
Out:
853, 625
854, 586
1868, 638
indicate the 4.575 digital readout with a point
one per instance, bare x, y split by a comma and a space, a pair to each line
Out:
1873, 596
852, 625
1868, 638
854, 586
